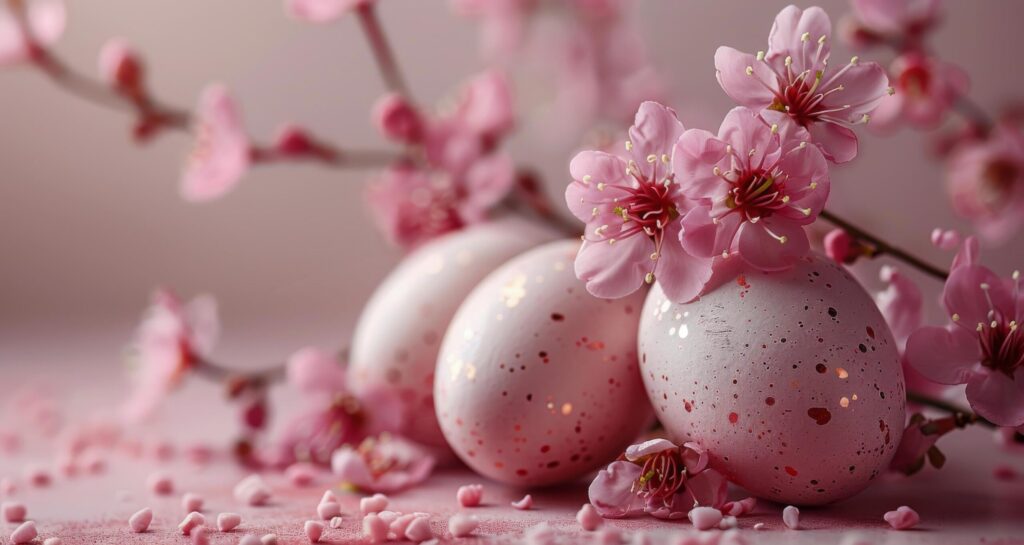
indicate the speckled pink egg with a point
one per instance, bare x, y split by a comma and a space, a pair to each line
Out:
399, 332
537, 380
792, 380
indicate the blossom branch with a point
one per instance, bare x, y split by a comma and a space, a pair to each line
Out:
882, 247
381, 49
963, 416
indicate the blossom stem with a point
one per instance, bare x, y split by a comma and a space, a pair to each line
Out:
382, 52
882, 247
529, 191
962, 414
218, 373
972, 113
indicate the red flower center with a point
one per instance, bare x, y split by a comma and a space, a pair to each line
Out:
661, 475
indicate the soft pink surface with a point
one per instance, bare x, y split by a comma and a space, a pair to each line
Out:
963, 503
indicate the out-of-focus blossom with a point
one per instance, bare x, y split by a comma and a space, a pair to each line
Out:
171, 340
658, 478
901, 23
945, 239
502, 23
322, 11
222, 152
1010, 439
333, 416
397, 119
465, 174
385, 463
44, 21
631, 209
982, 346
926, 89
901, 304
121, 67
763, 182
795, 77
986, 183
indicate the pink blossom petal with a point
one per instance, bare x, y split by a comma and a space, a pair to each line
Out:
470, 495
419, 530
704, 518
611, 491
191, 521
702, 236
462, 525
46, 19
693, 158
758, 247
681, 275
998, 397
523, 504
375, 529
654, 132
614, 270
487, 182
228, 521
695, 457
791, 517
944, 355
24, 533
746, 89
140, 521
651, 446
588, 518
707, 488
314, 530
373, 504
902, 304
972, 291
945, 239
487, 106
903, 518
865, 86
322, 11
314, 371
222, 152
839, 144
967, 254
786, 36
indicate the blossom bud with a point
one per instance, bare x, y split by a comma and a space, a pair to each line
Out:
121, 67
397, 119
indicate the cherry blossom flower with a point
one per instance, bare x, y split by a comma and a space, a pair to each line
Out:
658, 478
763, 182
981, 347
898, 22
171, 340
986, 183
333, 416
631, 209
926, 89
322, 11
795, 77
44, 21
385, 463
901, 303
222, 152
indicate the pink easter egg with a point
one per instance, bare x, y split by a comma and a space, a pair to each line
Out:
399, 332
537, 380
792, 380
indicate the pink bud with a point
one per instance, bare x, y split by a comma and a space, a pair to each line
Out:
840, 246
121, 67
254, 414
293, 140
396, 119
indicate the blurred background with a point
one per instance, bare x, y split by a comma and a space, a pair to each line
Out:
90, 222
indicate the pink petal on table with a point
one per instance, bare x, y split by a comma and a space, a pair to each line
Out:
704, 518
524, 504
462, 525
791, 517
140, 521
373, 504
375, 529
903, 518
228, 521
588, 518
470, 495
191, 521
24, 533
314, 530
419, 530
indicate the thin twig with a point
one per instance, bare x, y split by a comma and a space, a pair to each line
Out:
381, 49
966, 415
883, 247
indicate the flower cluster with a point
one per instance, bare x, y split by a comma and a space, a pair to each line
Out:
660, 479
679, 200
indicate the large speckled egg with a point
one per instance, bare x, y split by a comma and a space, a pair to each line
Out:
792, 380
400, 330
537, 380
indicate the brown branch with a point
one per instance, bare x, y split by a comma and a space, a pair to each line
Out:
883, 247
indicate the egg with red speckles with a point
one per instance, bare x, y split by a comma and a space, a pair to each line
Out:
399, 331
791, 380
538, 381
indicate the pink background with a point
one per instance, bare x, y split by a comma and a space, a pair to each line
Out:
90, 223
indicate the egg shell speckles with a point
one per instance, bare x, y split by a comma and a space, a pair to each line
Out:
537, 380
399, 332
792, 380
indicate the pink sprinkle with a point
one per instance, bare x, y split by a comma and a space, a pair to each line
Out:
163, 451
160, 484
759, 526
470, 495
328, 510
94, 463
462, 525
329, 496
728, 523
301, 474
588, 518
1004, 473
249, 539
7, 486
314, 530
903, 518
24, 533
13, 511
739, 508
140, 521
191, 521
200, 536
791, 517
398, 523
375, 529
38, 476
53, 541
373, 504
269, 539
419, 530
704, 518
228, 521
199, 454
191, 502
524, 504
252, 490
336, 522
